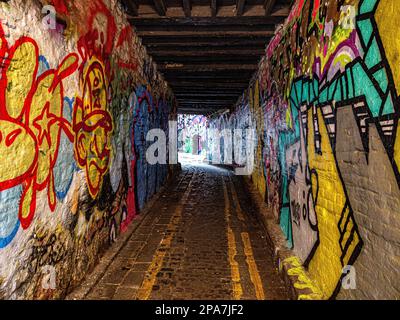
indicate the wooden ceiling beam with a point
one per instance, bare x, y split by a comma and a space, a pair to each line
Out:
220, 96
200, 58
189, 52
237, 82
160, 7
196, 105
210, 83
202, 94
240, 5
221, 79
198, 111
202, 111
214, 8
206, 21
209, 72
208, 60
226, 79
173, 35
207, 46
205, 60
211, 76
191, 103
132, 8
269, 6
187, 8
202, 102
178, 88
233, 38
200, 68
209, 101
205, 96
209, 28
195, 84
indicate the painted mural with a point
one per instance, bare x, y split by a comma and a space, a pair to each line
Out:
76, 102
192, 134
325, 103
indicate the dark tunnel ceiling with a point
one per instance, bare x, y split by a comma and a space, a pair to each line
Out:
207, 50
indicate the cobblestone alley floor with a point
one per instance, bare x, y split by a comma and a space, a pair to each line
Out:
200, 240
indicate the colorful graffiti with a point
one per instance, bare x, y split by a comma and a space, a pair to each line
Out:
148, 114
93, 126
192, 133
31, 111
320, 167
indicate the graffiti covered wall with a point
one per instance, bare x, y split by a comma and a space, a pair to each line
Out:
78, 94
325, 103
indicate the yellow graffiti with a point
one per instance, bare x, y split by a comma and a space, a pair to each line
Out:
93, 126
295, 269
326, 267
21, 151
31, 122
46, 121
258, 174
20, 76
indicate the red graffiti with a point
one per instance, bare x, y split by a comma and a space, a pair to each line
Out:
60, 7
98, 40
124, 40
131, 197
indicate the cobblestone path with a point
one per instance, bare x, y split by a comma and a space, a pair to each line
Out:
200, 240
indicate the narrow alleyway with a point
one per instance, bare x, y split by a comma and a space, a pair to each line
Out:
96, 99
200, 240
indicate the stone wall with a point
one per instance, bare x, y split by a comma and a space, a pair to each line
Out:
78, 94
325, 105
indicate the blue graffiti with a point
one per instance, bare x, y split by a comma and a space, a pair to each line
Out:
65, 165
9, 208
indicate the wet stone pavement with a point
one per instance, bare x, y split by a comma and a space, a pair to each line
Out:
199, 241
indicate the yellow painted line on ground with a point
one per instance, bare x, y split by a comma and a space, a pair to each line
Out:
248, 249
146, 288
252, 266
232, 251
239, 210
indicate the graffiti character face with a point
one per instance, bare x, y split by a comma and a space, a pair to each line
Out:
93, 127
94, 91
